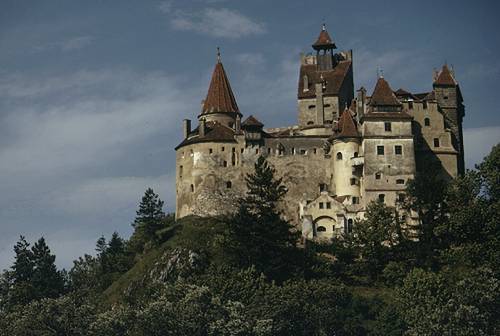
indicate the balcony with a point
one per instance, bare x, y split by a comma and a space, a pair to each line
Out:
357, 161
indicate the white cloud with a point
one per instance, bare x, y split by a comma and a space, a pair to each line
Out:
250, 59
478, 143
216, 22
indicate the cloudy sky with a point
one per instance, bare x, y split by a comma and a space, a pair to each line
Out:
93, 93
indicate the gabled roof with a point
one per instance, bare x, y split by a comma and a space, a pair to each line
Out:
214, 132
333, 79
220, 97
324, 40
347, 126
252, 121
404, 94
383, 95
445, 78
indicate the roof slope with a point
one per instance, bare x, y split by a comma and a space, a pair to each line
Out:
220, 97
383, 95
324, 40
252, 121
347, 126
445, 77
333, 79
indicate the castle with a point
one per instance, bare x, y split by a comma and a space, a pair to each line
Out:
346, 151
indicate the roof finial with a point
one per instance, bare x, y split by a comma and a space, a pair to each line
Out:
380, 72
218, 55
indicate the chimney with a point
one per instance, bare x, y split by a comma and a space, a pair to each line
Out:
237, 124
202, 127
186, 125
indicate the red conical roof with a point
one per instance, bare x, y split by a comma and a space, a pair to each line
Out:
220, 97
445, 77
252, 121
383, 95
347, 126
324, 40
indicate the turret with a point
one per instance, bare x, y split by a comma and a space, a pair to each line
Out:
220, 105
346, 145
450, 101
324, 46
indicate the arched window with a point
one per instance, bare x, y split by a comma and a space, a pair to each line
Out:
229, 184
427, 122
321, 229
381, 198
353, 181
355, 154
339, 156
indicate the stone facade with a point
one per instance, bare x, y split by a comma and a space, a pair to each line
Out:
344, 153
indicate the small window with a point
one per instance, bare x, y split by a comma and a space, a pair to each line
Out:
310, 122
353, 181
256, 151
355, 200
322, 187
381, 198
329, 122
242, 150
321, 205
445, 97
378, 176
327, 105
349, 225
380, 150
355, 154
321, 229
398, 150
410, 105
180, 171
387, 126
229, 184
192, 188
436, 142
303, 152
222, 149
234, 150
224, 163
427, 122
401, 197
269, 151
424, 105
312, 107
328, 205
400, 181
339, 156
314, 150
210, 151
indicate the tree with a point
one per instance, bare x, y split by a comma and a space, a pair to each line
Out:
21, 288
257, 233
148, 221
377, 235
47, 281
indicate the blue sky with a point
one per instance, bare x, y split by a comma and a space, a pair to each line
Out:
92, 93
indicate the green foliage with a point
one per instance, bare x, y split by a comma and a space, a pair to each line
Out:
440, 303
257, 235
149, 219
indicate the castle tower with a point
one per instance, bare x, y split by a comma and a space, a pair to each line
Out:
388, 147
450, 101
346, 146
325, 84
220, 105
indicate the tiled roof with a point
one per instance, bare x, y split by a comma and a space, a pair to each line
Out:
383, 95
404, 94
333, 79
324, 40
387, 115
220, 97
445, 77
214, 132
252, 121
347, 126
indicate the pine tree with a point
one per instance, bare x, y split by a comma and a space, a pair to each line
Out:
257, 234
21, 276
47, 280
148, 221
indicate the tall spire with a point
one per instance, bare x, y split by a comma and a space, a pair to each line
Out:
220, 97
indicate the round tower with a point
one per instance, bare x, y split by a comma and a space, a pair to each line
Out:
345, 146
